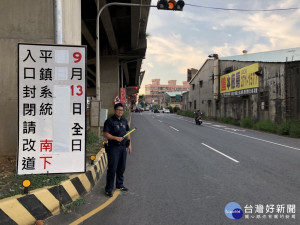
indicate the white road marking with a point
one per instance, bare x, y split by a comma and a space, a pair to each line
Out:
219, 126
226, 128
286, 146
160, 121
221, 153
174, 128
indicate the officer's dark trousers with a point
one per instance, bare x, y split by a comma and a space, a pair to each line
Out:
116, 156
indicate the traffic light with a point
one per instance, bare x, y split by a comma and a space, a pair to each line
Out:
170, 5
133, 87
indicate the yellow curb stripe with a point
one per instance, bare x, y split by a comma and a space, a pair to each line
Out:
85, 182
98, 167
101, 164
101, 207
70, 189
14, 209
18, 213
93, 174
48, 200
105, 158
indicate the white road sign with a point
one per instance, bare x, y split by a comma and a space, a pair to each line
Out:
52, 103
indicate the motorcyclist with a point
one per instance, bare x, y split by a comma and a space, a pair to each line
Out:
198, 114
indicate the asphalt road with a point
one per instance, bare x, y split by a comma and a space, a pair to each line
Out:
180, 173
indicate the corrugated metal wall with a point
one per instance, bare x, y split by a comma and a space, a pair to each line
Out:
293, 90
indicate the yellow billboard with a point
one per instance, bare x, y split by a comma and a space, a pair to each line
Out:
240, 80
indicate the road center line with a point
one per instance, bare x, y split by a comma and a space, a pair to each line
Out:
274, 143
101, 207
221, 153
174, 128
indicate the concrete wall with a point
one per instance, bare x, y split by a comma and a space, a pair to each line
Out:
293, 90
72, 22
271, 91
185, 101
203, 92
28, 21
110, 82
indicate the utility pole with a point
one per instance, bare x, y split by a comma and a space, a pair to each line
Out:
57, 17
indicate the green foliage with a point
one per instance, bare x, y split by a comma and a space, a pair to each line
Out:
67, 208
110, 115
92, 142
93, 149
186, 113
176, 109
295, 129
289, 127
246, 123
204, 117
126, 115
266, 125
224, 120
14, 182
229, 120
91, 138
171, 109
284, 128
155, 106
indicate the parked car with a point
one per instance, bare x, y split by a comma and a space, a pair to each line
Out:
166, 111
155, 111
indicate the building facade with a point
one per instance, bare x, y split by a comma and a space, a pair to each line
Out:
154, 93
173, 99
275, 97
191, 73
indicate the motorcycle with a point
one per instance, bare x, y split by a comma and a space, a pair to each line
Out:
198, 120
198, 117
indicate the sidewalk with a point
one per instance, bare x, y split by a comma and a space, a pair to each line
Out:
42, 203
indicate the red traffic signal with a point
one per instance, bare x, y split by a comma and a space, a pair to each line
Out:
133, 87
170, 5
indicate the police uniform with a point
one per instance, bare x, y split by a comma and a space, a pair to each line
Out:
116, 152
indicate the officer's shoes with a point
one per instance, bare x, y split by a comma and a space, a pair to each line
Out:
109, 194
123, 189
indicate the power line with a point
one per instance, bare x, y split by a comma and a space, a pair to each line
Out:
244, 10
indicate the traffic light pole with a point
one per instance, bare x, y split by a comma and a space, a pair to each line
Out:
98, 41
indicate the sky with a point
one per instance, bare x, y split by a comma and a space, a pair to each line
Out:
180, 40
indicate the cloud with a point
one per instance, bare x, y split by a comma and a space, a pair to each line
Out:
174, 54
182, 40
150, 65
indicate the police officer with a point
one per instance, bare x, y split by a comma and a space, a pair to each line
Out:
114, 129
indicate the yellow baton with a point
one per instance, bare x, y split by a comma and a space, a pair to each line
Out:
129, 132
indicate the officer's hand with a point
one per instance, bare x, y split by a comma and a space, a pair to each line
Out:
119, 139
129, 149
